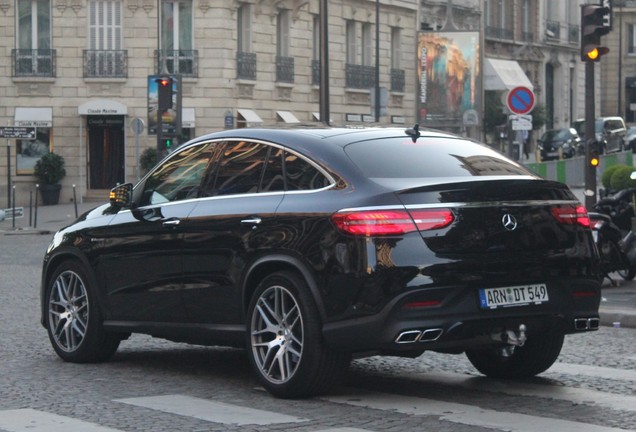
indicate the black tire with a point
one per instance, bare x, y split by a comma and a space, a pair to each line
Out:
628, 273
283, 323
73, 317
536, 356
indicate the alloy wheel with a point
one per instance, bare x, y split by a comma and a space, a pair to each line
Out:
68, 311
277, 333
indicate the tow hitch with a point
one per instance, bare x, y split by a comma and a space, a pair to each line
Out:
511, 338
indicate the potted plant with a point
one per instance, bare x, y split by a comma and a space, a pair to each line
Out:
49, 170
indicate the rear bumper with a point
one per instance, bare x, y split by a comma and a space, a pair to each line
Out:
458, 323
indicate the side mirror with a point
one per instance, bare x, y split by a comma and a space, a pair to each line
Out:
121, 196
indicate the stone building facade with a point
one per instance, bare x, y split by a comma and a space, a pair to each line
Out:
81, 72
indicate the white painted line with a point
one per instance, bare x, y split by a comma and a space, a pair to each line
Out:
211, 411
545, 391
346, 429
464, 414
594, 371
30, 420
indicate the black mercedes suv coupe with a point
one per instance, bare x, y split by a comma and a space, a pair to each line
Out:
312, 245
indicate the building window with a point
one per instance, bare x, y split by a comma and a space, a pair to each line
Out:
397, 73
315, 62
358, 70
28, 152
631, 39
105, 56
245, 58
177, 55
527, 35
33, 55
284, 63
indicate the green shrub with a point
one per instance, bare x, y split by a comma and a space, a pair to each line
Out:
620, 178
606, 177
49, 169
148, 159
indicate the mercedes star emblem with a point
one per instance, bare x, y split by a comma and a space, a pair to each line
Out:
509, 222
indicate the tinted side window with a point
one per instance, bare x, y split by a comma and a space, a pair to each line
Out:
179, 177
301, 175
240, 168
273, 179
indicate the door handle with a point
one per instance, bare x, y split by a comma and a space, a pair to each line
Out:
171, 222
252, 221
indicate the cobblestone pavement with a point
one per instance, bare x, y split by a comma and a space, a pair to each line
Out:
591, 388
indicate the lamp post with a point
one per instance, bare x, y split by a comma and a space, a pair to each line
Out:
377, 61
324, 63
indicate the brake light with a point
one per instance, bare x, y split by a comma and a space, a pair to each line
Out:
572, 215
391, 222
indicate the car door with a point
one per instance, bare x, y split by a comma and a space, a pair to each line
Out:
140, 251
229, 227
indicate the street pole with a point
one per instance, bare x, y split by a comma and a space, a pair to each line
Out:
8, 174
590, 136
324, 63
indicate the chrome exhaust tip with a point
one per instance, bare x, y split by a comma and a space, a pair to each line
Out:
586, 323
412, 336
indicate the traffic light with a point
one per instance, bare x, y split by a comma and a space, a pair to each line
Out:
166, 144
164, 90
592, 28
594, 158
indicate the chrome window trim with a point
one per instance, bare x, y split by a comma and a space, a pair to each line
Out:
529, 203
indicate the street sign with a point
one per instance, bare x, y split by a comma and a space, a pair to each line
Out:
19, 212
25, 133
137, 126
520, 100
521, 122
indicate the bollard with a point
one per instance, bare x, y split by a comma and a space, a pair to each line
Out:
13, 199
75, 201
35, 220
31, 208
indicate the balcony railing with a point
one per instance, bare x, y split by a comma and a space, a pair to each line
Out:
285, 69
246, 65
499, 33
397, 80
105, 64
178, 62
359, 76
573, 34
33, 63
315, 72
527, 36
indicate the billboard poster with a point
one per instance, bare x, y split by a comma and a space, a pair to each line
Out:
171, 118
449, 77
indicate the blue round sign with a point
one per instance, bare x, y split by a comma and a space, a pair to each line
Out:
520, 100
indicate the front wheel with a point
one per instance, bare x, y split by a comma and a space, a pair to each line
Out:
285, 343
73, 320
534, 357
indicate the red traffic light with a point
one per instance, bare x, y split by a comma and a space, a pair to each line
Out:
164, 82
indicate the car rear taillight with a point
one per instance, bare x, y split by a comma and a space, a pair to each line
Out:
391, 222
571, 215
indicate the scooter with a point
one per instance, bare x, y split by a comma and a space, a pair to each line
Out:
617, 251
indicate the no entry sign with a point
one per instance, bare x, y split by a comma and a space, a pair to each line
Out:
520, 100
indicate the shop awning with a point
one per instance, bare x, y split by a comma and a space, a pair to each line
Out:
504, 75
287, 117
33, 117
187, 118
249, 116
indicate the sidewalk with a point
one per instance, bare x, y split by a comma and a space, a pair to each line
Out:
52, 218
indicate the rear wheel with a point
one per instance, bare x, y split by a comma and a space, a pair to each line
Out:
285, 343
74, 320
534, 357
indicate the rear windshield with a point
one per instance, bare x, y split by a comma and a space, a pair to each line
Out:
429, 157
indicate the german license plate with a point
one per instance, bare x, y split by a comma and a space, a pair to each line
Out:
492, 298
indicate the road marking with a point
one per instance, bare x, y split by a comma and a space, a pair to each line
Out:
545, 391
30, 420
464, 414
594, 371
211, 411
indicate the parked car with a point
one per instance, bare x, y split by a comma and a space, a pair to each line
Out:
630, 138
560, 143
308, 246
609, 131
